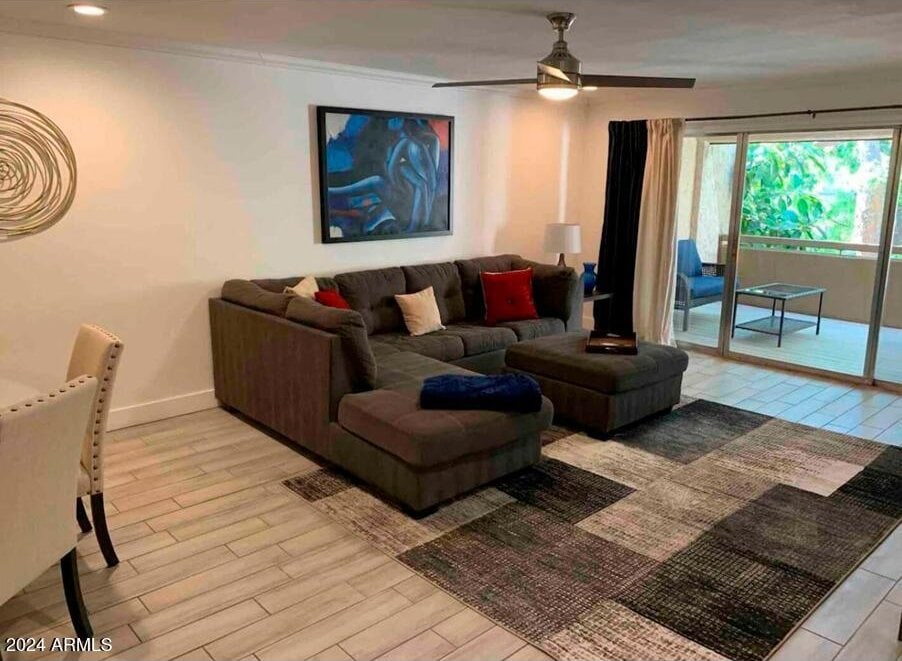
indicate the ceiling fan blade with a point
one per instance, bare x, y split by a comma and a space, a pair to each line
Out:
481, 83
554, 72
589, 80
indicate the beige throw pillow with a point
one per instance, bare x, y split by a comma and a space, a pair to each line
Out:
306, 288
421, 314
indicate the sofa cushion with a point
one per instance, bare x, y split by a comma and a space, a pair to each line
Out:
552, 289
563, 358
471, 284
445, 282
436, 345
705, 285
391, 418
380, 349
250, 294
479, 338
529, 329
689, 263
278, 285
420, 312
508, 296
331, 298
305, 288
372, 294
348, 325
405, 366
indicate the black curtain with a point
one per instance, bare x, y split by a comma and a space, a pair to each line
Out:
627, 147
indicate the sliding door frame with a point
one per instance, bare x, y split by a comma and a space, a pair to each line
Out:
884, 257
881, 277
729, 288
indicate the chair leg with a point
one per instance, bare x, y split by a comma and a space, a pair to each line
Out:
72, 588
103, 534
82, 516
685, 316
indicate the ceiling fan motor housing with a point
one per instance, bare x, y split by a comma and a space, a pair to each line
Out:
560, 56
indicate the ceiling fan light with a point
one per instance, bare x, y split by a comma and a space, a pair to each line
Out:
561, 93
589, 88
88, 9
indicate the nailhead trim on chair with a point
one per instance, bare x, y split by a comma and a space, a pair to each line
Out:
39, 399
97, 432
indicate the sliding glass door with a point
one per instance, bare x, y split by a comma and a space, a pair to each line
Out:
703, 223
787, 250
809, 236
888, 365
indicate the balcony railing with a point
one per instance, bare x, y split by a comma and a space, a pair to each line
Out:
809, 245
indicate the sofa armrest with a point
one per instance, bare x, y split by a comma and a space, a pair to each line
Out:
288, 376
558, 293
252, 295
709, 268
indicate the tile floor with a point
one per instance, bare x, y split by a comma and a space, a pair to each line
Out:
840, 347
220, 562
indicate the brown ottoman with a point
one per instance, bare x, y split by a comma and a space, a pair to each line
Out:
597, 391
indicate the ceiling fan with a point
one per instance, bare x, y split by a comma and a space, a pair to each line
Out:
559, 74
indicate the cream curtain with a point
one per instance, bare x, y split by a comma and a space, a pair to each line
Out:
654, 289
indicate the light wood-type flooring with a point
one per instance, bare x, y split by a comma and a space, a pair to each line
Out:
219, 561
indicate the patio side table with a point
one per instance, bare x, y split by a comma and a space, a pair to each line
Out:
773, 325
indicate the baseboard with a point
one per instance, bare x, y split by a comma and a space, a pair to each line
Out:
160, 409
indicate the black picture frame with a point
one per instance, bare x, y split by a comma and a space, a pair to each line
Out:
440, 217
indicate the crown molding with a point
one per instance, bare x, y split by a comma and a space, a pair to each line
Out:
890, 80
91, 36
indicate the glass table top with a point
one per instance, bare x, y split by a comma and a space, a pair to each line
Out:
780, 290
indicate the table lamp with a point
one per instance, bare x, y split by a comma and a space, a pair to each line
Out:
562, 238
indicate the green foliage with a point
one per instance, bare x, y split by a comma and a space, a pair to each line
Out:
799, 190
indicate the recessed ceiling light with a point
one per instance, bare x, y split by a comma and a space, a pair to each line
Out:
85, 9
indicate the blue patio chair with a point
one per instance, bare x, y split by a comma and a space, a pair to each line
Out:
697, 283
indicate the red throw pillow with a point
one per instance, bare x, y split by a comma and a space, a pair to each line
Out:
332, 298
508, 296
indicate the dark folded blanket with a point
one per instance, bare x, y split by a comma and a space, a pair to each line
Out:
503, 392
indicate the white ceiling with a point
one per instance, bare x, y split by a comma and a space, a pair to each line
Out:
718, 41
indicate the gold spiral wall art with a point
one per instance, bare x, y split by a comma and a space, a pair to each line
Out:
37, 172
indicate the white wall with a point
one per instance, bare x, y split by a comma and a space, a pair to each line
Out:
193, 170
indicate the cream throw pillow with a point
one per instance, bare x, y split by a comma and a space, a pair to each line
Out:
307, 287
421, 314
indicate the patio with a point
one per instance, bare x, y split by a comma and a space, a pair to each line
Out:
840, 347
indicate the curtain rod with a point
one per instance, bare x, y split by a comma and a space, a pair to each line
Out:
795, 113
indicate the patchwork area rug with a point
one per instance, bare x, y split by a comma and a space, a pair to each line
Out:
708, 533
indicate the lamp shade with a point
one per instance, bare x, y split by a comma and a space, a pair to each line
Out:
562, 238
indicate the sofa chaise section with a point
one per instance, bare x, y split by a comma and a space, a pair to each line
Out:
424, 457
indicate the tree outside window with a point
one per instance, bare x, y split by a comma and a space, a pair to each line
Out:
817, 190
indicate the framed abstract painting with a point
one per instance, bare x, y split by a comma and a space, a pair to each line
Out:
383, 175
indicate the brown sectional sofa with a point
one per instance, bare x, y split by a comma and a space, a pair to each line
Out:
345, 384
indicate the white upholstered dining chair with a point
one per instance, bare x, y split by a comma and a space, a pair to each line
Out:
40, 440
96, 352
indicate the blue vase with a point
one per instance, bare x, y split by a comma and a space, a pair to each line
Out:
589, 278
